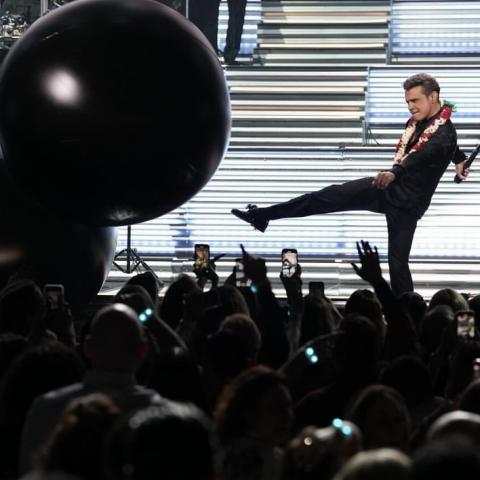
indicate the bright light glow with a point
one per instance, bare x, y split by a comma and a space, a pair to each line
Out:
308, 441
337, 423
438, 28
63, 87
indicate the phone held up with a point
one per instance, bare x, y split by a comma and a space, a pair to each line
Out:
54, 295
201, 256
239, 271
465, 323
289, 262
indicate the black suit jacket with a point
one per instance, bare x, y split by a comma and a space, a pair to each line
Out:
417, 177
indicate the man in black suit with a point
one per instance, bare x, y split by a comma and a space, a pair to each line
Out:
204, 14
403, 193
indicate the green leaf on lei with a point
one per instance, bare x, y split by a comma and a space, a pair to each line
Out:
451, 105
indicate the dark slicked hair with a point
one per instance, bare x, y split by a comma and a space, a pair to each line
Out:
427, 82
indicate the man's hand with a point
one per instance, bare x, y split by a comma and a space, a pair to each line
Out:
462, 174
370, 270
383, 180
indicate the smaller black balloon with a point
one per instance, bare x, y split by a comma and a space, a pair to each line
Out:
38, 245
113, 111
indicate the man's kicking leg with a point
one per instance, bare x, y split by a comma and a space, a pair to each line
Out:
354, 195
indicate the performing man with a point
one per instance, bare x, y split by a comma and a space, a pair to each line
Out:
402, 193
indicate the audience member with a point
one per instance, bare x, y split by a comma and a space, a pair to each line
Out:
356, 353
457, 424
320, 453
366, 303
447, 458
136, 297
317, 319
77, 445
172, 307
176, 376
450, 297
470, 399
36, 371
11, 346
384, 463
229, 351
254, 418
415, 305
22, 309
172, 441
410, 377
382, 416
148, 281
116, 346
432, 329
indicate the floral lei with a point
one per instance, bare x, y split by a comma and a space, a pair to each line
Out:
440, 118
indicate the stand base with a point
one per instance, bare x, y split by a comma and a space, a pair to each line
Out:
133, 259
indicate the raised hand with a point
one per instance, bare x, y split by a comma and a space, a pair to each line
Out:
370, 269
255, 267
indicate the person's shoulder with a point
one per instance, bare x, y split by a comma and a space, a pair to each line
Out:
137, 397
60, 393
447, 132
55, 399
64, 391
449, 126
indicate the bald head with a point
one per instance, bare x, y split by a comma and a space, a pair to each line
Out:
116, 341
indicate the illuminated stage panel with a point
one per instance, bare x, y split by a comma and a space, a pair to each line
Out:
435, 31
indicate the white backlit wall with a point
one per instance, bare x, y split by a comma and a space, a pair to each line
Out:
436, 29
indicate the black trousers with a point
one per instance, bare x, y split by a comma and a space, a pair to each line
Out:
204, 14
359, 195
236, 19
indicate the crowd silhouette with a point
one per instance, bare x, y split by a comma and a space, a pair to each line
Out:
218, 382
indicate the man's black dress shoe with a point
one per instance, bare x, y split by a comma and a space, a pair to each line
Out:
252, 216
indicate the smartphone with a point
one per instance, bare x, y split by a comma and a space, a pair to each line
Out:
202, 256
316, 288
54, 294
239, 270
289, 262
465, 323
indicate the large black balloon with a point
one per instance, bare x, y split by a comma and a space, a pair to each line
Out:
38, 245
113, 111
